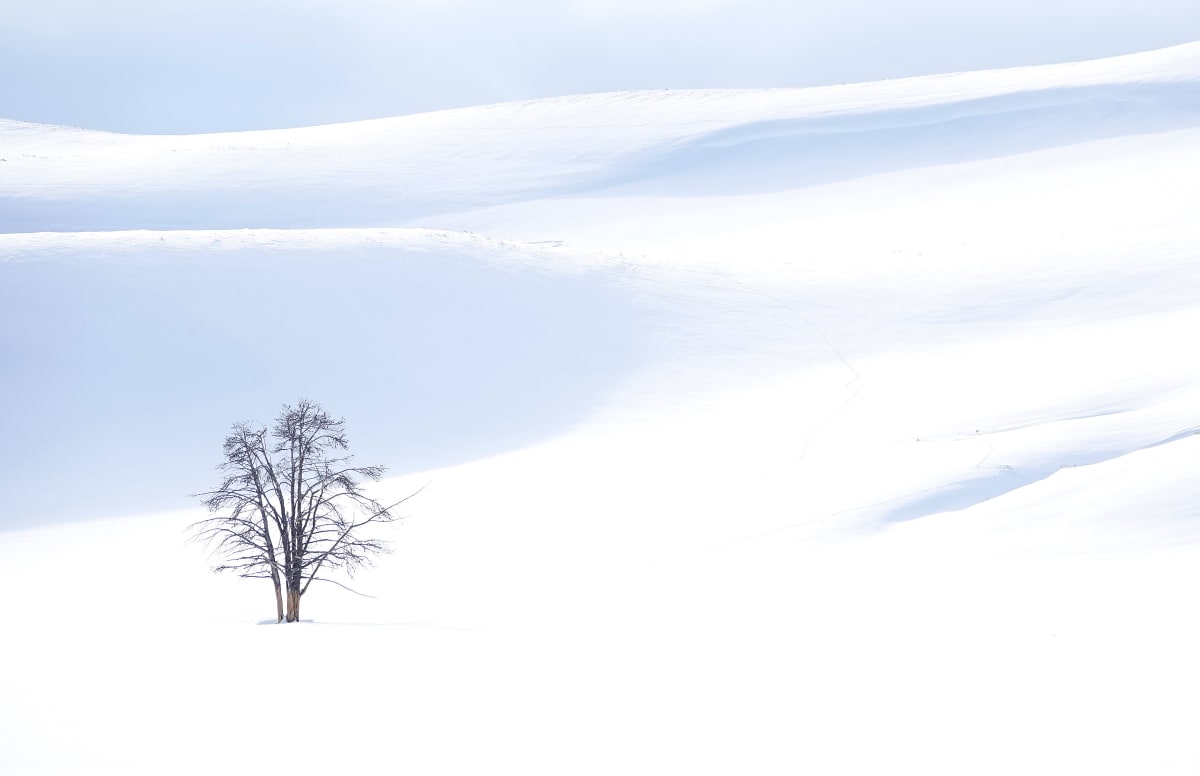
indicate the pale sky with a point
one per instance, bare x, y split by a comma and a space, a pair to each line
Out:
208, 65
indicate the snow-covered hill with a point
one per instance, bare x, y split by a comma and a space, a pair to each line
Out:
844, 430
403, 171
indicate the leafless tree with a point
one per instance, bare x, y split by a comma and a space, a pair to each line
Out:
291, 506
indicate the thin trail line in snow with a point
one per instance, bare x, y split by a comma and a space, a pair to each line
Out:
851, 395
991, 450
851, 390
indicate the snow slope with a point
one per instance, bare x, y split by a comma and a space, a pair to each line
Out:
402, 171
844, 430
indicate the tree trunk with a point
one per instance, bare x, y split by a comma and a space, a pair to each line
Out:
278, 597
270, 547
293, 602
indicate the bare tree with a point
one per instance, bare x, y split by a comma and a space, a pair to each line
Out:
291, 506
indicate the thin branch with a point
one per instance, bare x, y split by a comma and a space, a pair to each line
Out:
339, 584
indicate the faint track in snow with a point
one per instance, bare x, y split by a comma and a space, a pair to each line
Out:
849, 387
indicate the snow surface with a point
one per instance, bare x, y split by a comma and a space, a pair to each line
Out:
841, 430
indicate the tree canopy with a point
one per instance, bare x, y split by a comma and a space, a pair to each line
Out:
291, 506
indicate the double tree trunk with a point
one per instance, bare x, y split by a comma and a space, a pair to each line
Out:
293, 597
293, 605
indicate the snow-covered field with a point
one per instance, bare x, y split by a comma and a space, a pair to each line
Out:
840, 430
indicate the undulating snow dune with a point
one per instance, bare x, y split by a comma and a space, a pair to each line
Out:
402, 171
840, 430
